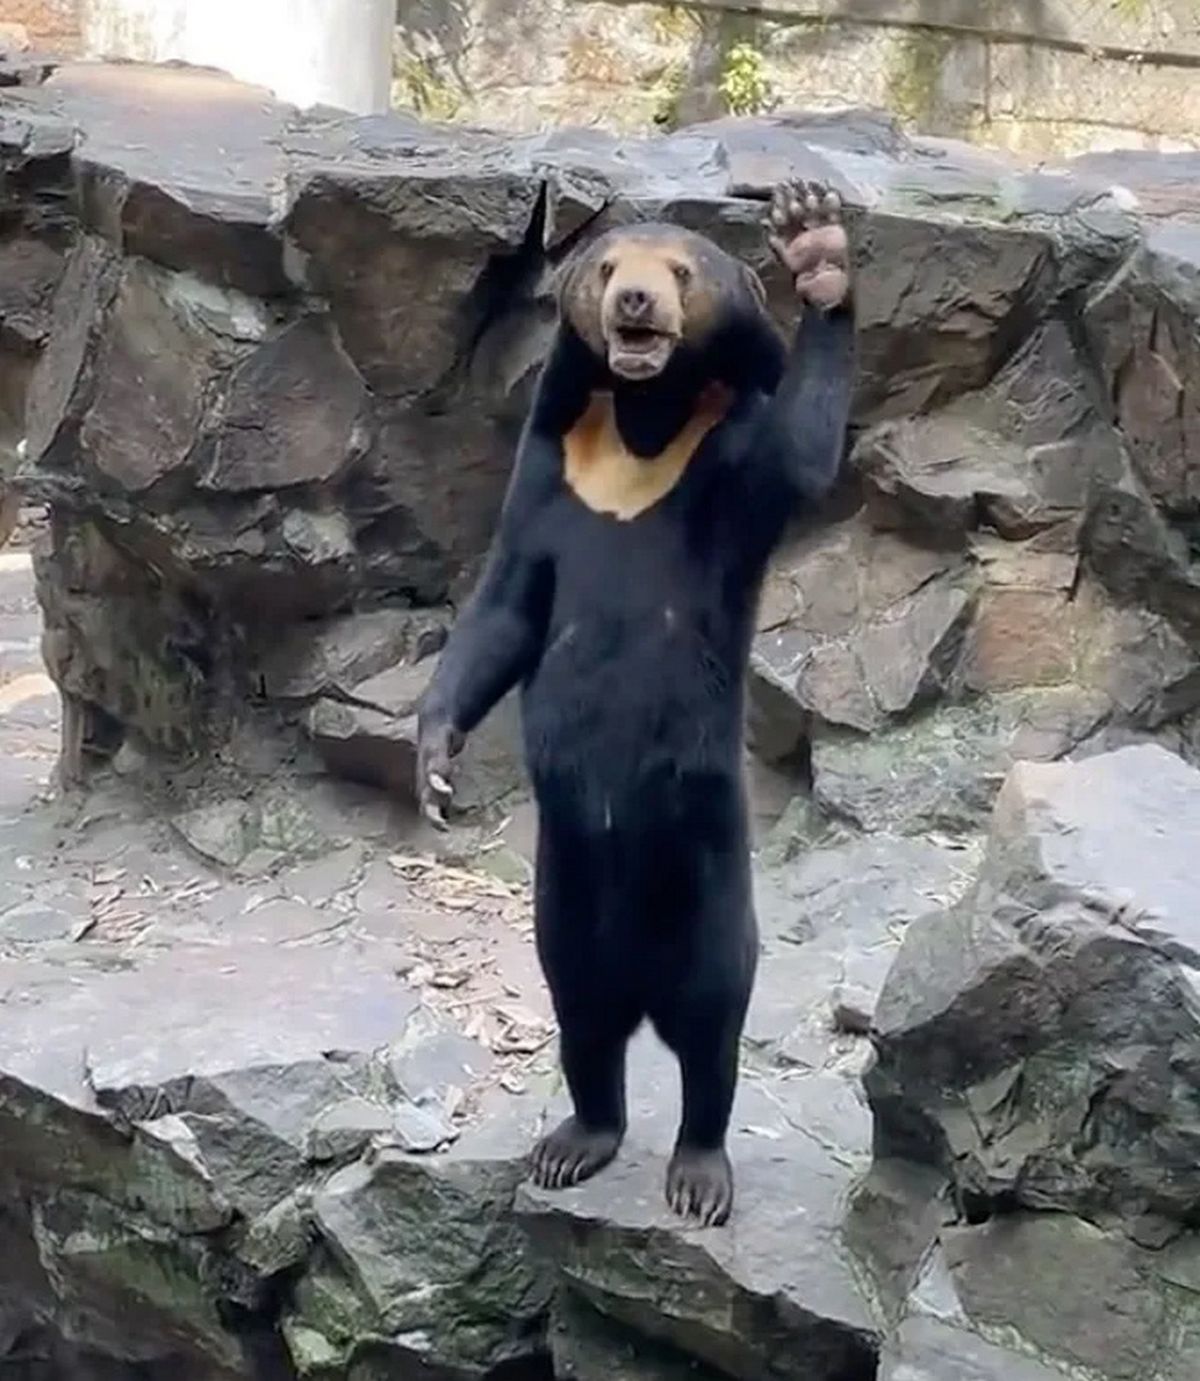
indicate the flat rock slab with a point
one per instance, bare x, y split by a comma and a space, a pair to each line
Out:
832, 922
772, 1293
243, 1048
200, 189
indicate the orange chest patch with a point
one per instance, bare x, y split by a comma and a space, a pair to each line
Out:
606, 475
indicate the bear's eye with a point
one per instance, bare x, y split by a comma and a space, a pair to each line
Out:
606, 270
682, 273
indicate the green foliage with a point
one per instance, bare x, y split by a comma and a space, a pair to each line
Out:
1130, 9
744, 86
419, 87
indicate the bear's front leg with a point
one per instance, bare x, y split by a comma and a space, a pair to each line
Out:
805, 430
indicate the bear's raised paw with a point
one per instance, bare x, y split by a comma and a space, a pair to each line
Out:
805, 229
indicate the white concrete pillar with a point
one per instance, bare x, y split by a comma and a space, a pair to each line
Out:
308, 52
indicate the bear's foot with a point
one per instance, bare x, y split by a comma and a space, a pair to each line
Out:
806, 232
700, 1186
572, 1154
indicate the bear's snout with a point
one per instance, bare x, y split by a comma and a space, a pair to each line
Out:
634, 305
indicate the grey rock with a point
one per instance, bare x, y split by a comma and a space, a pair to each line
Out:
29, 272
368, 744
871, 630
60, 390
924, 342
99, 1259
1139, 533
1044, 1296
420, 1129
1014, 456
33, 922
325, 879
258, 1056
892, 1222
341, 1130
277, 1240
774, 1292
831, 923
337, 654
55, 1141
943, 770
415, 532
926, 1349
587, 1346
396, 255
154, 372
1150, 362
432, 1060
1034, 1040
294, 414
253, 833
993, 1267
1140, 660
372, 738
948, 474
424, 1256
199, 196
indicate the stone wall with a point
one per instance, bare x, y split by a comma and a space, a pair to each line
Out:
272, 366
1055, 75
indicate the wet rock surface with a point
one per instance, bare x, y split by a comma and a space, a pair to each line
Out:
272, 1053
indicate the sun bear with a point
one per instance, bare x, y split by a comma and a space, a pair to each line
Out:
671, 437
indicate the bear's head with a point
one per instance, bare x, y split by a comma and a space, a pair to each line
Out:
642, 297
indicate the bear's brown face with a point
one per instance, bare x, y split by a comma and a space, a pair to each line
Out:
637, 294
644, 290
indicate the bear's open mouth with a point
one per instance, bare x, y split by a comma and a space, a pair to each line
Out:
639, 338
639, 352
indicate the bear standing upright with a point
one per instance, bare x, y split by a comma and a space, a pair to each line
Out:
671, 438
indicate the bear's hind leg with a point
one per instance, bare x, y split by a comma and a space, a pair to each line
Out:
593, 1061
597, 1007
702, 1024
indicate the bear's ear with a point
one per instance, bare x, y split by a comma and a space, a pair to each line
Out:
571, 276
577, 297
755, 285
564, 274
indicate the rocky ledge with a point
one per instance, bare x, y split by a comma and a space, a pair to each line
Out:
280, 1129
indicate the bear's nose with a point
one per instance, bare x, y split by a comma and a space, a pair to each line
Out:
633, 302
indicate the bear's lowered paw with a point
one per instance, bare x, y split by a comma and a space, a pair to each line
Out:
572, 1154
700, 1186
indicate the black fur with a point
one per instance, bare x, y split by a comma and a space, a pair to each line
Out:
630, 641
